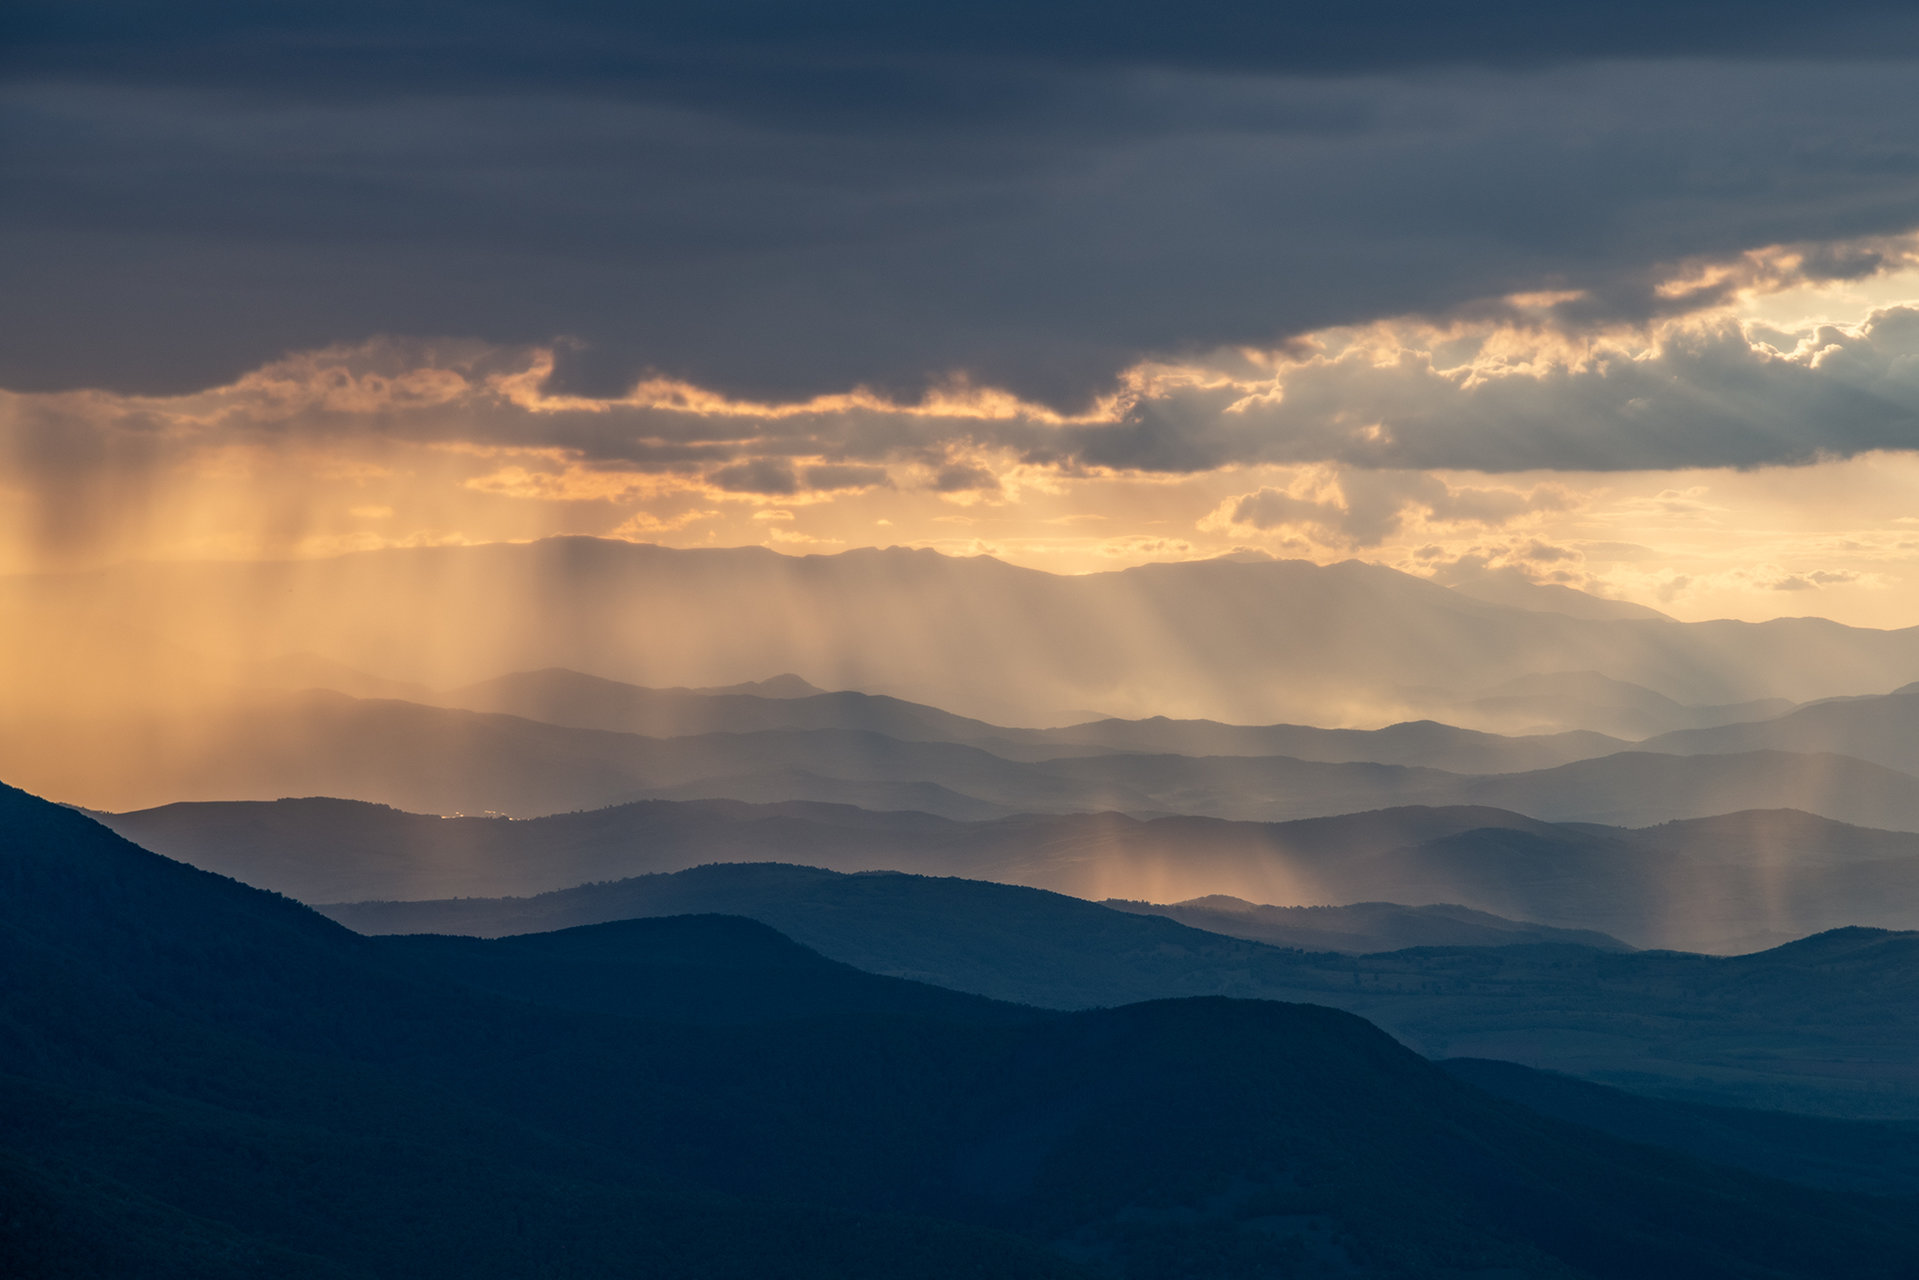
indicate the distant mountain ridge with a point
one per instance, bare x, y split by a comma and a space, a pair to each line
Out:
1532, 703
1736, 882
1349, 643
1883, 730
575, 700
1828, 1023
1362, 927
1512, 588
431, 759
572, 699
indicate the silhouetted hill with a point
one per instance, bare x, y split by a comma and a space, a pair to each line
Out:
1361, 927
1024, 945
1841, 1155
333, 1095
1827, 1024
212, 1066
709, 969
1736, 882
67, 1223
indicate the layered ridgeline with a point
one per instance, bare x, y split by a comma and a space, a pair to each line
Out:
1825, 1024
1362, 928
1240, 640
1735, 882
206, 1080
881, 753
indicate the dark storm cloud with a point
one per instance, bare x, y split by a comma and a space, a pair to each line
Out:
1364, 508
782, 200
1706, 396
840, 477
771, 476
959, 478
343, 46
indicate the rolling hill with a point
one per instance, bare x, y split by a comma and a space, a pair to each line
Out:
1361, 927
1826, 1024
1619, 707
205, 1065
1841, 1155
1734, 882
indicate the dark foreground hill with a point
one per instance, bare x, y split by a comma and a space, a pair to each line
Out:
203, 1079
1842, 1155
1827, 1024
1736, 882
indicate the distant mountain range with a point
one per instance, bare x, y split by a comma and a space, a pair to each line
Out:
1235, 640
588, 702
1736, 882
1827, 1024
1070, 990
1539, 702
206, 1080
1883, 730
1362, 927
435, 759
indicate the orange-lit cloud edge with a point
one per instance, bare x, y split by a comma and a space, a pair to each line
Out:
1750, 450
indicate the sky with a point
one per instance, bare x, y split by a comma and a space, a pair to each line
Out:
1622, 296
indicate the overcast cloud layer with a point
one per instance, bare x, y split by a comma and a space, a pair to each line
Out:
781, 200
1618, 296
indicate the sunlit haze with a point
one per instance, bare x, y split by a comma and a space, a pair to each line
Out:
1740, 458
1025, 638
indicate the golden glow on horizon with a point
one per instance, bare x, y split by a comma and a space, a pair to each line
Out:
526, 389
408, 444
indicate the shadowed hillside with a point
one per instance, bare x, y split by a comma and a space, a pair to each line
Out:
1842, 1155
1362, 927
1737, 882
183, 1042
1824, 1024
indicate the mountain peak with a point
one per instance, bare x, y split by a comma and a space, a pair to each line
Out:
784, 685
